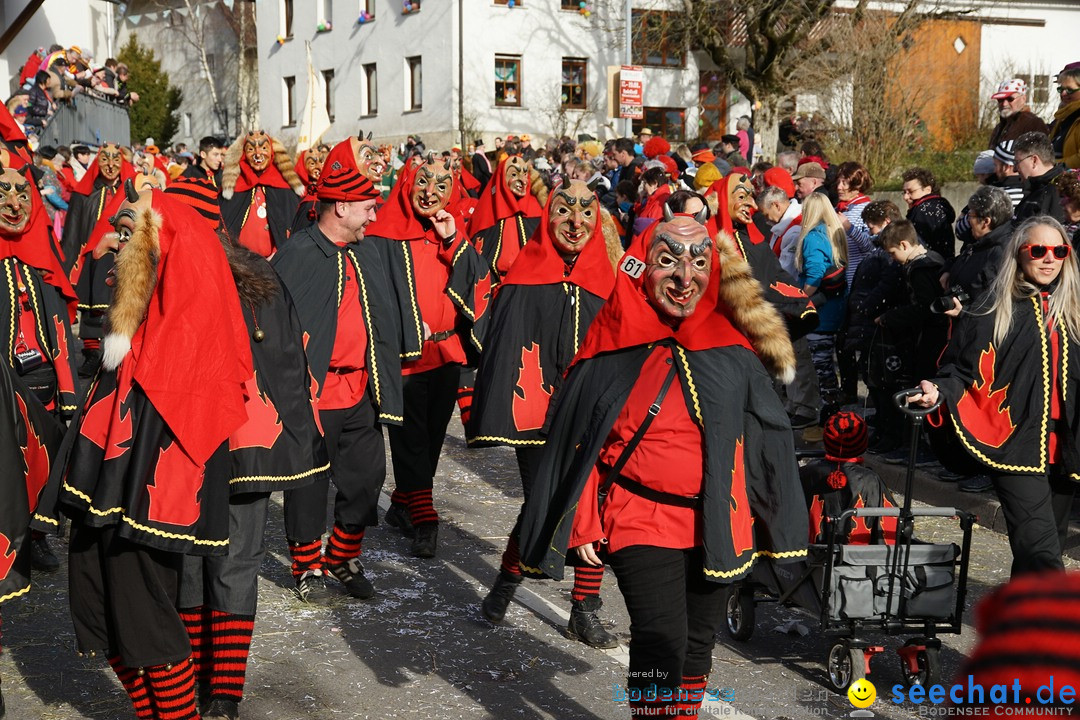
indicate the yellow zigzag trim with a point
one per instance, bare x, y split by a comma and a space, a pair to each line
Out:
174, 536
690, 385
373, 362
89, 502
407, 253
746, 566
15, 594
388, 416
279, 478
461, 304
42, 518
508, 441
13, 334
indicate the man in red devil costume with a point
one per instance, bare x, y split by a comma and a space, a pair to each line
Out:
506, 215
442, 287
539, 317
732, 202
348, 311
260, 192
147, 477
280, 447
94, 200
38, 306
667, 377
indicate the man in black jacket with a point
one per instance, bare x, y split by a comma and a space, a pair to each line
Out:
481, 166
1033, 157
211, 153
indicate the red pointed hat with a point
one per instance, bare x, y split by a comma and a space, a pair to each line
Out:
540, 263
628, 319
341, 179
195, 354
498, 203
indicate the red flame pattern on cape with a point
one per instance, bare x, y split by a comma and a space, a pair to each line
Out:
817, 515
7, 556
313, 390
35, 458
107, 423
263, 426
787, 290
980, 409
742, 522
174, 496
531, 404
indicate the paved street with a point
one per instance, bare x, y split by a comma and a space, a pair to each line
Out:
420, 649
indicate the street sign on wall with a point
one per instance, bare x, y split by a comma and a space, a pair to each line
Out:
631, 92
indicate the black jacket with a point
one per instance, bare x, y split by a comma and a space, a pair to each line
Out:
1041, 197
878, 285
913, 324
933, 218
977, 264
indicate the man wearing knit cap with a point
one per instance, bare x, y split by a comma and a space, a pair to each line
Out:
345, 307
1005, 172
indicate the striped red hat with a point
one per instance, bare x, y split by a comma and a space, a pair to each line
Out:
341, 179
845, 436
200, 194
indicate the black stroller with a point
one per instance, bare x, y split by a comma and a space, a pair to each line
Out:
898, 588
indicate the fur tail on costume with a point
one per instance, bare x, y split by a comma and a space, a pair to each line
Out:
611, 238
538, 187
136, 276
285, 166
752, 314
230, 164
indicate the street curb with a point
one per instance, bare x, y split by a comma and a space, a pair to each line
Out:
932, 491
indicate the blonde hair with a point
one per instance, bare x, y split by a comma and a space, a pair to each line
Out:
1011, 285
817, 210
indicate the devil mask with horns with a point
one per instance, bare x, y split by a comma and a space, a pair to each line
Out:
432, 188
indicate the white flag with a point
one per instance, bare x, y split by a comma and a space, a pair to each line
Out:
314, 121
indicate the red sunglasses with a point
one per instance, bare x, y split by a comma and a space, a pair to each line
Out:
1038, 252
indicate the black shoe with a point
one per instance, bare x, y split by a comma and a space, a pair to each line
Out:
222, 709
91, 363
426, 540
495, 604
949, 476
42, 558
351, 575
586, 626
311, 586
976, 484
398, 516
798, 422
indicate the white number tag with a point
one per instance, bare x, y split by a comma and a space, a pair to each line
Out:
632, 266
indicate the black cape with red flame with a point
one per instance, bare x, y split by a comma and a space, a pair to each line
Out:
539, 319
29, 440
748, 447
997, 395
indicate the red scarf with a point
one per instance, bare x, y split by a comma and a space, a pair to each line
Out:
628, 319
35, 247
498, 203
194, 355
269, 177
857, 200
540, 263
923, 199
86, 184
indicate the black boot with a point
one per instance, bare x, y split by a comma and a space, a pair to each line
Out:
91, 363
222, 709
398, 516
41, 555
495, 604
586, 626
427, 539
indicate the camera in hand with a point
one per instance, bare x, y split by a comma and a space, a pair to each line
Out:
945, 303
28, 360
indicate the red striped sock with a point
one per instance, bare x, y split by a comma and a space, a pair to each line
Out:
587, 581
421, 507
511, 557
464, 403
136, 688
91, 343
343, 546
231, 642
305, 556
691, 693
172, 689
195, 622
399, 498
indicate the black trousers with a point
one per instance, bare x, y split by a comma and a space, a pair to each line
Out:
429, 399
358, 466
674, 613
528, 460
1036, 509
229, 583
123, 598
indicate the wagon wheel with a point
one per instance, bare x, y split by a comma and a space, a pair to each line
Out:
845, 665
928, 661
740, 612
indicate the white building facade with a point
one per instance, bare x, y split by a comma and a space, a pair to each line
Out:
484, 67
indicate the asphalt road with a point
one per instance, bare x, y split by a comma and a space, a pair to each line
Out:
420, 648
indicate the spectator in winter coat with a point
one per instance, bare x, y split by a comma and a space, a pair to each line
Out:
1065, 132
1034, 160
40, 106
1016, 116
931, 214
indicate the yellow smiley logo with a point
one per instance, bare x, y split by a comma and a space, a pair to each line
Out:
862, 693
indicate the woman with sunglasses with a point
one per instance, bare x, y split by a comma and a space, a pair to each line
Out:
1065, 131
1011, 393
